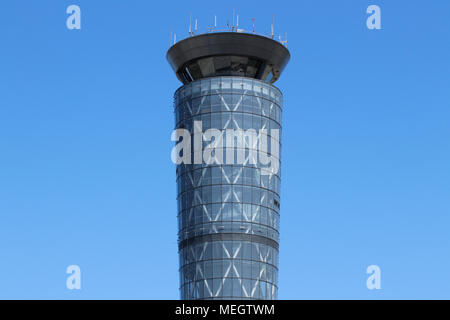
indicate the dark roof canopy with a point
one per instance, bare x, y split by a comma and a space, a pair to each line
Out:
228, 53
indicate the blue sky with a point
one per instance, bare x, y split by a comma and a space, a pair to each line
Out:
85, 170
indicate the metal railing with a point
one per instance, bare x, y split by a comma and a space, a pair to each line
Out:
229, 28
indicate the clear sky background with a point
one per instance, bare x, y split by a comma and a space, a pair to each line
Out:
85, 170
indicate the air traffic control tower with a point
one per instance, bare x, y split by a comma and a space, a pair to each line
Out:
228, 209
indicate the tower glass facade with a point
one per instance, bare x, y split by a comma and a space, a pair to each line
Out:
228, 215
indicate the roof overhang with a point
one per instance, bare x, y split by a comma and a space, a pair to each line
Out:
272, 53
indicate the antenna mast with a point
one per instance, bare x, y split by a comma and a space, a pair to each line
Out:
190, 24
232, 28
272, 26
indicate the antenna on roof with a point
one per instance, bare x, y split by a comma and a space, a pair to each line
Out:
213, 28
232, 28
253, 21
196, 23
237, 25
272, 26
190, 23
